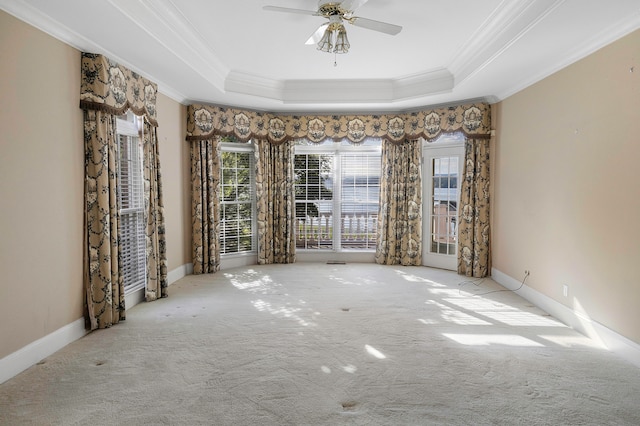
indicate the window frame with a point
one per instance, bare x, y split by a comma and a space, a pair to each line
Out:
338, 149
240, 147
129, 126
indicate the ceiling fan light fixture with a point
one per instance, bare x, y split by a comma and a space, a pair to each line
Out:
342, 42
332, 36
325, 44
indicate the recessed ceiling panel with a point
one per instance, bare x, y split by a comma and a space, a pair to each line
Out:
236, 53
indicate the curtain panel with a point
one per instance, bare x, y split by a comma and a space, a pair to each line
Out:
104, 285
205, 205
156, 245
108, 90
474, 250
400, 215
275, 201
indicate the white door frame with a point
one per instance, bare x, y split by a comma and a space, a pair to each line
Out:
446, 148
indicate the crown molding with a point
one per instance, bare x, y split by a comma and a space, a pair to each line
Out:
595, 42
172, 93
251, 84
341, 90
32, 16
509, 22
338, 91
162, 21
194, 69
423, 84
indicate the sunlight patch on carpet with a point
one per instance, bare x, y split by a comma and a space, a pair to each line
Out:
492, 339
374, 352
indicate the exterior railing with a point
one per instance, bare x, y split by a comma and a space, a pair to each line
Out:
357, 231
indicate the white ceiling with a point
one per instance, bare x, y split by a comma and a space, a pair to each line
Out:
235, 53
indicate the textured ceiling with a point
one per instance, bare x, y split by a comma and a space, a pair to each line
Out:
235, 53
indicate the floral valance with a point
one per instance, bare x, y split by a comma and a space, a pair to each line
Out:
205, 121
107, 86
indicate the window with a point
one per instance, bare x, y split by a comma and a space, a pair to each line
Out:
337, 187
237, 205
131, 231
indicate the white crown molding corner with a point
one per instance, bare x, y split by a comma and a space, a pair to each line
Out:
423, 84
611, 340
251, 84
32, 16
492, 99
590, 46
162, 21
509, 22
173, 94
15, 363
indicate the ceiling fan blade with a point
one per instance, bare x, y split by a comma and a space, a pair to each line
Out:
352, 5
290, 10
317, 35
383, 27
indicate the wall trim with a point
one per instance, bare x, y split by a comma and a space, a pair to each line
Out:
622, 346
237, 261
133, 298
15, 363
179, 273
29, 355
330, 256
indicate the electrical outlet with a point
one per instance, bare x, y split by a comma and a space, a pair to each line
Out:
565, 290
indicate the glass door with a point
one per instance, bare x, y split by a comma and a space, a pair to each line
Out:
442, 169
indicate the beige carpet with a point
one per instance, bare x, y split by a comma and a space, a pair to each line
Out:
317, 344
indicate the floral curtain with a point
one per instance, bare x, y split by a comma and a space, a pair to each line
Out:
104, 285
110, 87
108, 90
205, 121
205, 205
275, 202
474, 250
154, 206
400, 215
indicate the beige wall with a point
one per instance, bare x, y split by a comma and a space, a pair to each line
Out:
175, 167
41, 184
567, 186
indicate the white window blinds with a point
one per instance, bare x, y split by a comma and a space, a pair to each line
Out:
131, 198
237, 205
337, 187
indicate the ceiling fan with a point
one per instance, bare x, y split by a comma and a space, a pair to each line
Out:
332, 35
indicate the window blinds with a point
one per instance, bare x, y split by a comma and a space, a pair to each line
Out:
132, 230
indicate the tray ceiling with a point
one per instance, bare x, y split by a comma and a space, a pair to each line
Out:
235, 53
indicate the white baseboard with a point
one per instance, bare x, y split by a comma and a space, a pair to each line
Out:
331, 256
138, 296
237, 261
613, 341
179, 272
15, 363
133, 298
